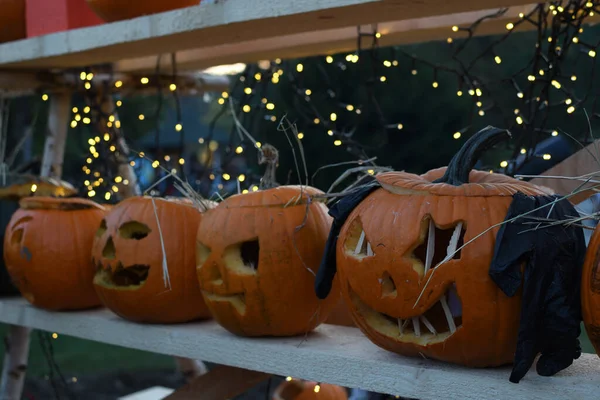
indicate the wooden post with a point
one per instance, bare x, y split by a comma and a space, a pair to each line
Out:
54, 148
17, 339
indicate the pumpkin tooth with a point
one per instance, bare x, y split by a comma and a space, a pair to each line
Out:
453, 245
359, 245
400, 326
428, 324
416, 326
430, 246
448, 314
369, 249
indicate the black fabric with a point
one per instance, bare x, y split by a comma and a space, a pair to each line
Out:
340, 211
553, 256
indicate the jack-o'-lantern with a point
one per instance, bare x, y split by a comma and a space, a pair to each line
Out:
128, 251
389, 261
590, 290
47, 248
295, 389
257, 255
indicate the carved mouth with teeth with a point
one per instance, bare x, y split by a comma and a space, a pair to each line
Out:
444, 317
125, 278
435, 325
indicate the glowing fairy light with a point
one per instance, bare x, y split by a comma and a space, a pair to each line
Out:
504, 164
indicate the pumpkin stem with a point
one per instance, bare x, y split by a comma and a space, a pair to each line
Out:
463, 162
268, 155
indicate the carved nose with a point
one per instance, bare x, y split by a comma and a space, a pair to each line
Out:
109, 251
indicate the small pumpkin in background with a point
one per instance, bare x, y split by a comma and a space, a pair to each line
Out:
47, 247
295, 389
389, 262
12, 20
128, 254
257, 255
118, 10
590, 290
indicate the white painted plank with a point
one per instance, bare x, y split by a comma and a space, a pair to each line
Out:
333, 354
234, 24
153, 393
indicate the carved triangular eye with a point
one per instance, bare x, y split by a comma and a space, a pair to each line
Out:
134, 230
357, 244
439, 243
17, 234
102, 229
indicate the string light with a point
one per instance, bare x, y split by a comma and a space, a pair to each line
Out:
239, 150
118, 84
172, 87
299, 67
246, 108
55, 335
329, 59
226, 176
333, 117
300, 135
144, 80
317, 388
504, 164
178, 127
241, 177
546, 156
45, 97
82, 75
141, 117
337, 142
87, 86
457, 135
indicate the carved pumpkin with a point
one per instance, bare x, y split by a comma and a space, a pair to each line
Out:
389, 255
304, 390
117, 10
47, 248
590, 290
128, 254
257, 255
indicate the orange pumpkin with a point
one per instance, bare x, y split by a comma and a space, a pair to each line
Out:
389, 256
590, 290
47, 248
341, 315
117, 10
12, 20
128, 254
257, 255
304, 390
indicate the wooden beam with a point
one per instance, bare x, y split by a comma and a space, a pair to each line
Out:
223, 23
582, 163
330, 41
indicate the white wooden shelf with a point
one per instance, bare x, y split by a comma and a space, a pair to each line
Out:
332, 354
228, 31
